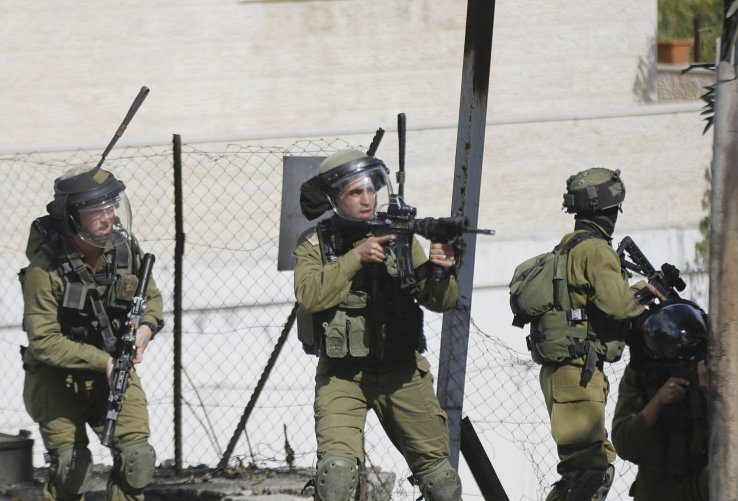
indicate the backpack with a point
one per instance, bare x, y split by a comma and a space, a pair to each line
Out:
539, 284
539, 295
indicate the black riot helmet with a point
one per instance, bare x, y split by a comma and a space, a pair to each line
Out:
675, 330
593, 190
93, 204
341, 177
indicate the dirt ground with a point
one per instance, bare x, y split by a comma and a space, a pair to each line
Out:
205, 484
197, 483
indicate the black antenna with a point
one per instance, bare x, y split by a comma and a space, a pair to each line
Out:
375, 142
401, 145
122, 127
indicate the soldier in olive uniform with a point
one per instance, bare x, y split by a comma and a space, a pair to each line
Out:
368, 332
660, 420
593, 332
77, 291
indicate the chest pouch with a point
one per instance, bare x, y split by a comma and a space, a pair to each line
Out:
75, 296
345, 327
122, 291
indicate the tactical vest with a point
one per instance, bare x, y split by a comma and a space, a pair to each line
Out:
377, 318
93, 307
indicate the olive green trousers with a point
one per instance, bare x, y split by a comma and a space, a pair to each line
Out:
577, 417
63, 402
401, 394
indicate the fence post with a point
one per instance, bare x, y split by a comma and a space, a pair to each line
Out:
179, 239
723, 342
465, 202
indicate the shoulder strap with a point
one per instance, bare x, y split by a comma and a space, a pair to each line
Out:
326, 238
561, 287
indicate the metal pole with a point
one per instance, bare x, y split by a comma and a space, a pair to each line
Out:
465, 201
723, 343
179, 241
480, 465
223, 463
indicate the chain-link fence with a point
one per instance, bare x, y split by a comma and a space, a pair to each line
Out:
234, 307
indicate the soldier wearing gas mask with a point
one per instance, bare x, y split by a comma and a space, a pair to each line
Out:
660, 420
368, 332
77, 291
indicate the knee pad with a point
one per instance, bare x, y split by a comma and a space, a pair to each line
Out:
584, 485
440, 483
136, 462
71, 466
336, 478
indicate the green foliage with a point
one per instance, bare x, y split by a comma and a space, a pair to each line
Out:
676, 21
703, 246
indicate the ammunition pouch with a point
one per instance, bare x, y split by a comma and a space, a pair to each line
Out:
559, 336
309, 331
350, 329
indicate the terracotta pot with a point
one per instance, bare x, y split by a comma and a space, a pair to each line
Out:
674, 51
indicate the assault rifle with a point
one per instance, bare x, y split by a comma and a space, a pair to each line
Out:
399, 220
667, 280
126, 351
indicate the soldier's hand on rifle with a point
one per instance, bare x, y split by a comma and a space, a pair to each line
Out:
109, 370
673, 390
143, 336
372, 249
442, 254
654, 290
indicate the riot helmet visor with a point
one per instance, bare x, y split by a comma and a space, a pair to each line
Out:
357, 195
106, 221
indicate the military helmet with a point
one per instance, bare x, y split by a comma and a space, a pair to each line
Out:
348, 168
93, 204
675, 330
594, 190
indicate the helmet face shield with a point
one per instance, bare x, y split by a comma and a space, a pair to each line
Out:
357, 195
675, 331
105, 221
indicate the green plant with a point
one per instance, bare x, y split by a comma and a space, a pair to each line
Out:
702, 247
676, 21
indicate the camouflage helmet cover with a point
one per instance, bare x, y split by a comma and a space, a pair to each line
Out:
594, 190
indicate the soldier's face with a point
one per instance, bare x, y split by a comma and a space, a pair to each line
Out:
358, 199
98, 222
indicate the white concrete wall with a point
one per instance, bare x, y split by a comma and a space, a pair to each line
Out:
229, 67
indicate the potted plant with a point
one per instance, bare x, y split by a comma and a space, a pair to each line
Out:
674, 51
683, 26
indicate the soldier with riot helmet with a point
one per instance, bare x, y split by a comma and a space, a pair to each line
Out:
368, 332
591, 333
660, 420
77, 290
